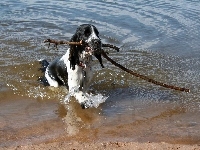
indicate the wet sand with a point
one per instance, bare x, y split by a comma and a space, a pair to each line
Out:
106, 145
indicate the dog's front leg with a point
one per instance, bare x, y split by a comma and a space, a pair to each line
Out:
76, 82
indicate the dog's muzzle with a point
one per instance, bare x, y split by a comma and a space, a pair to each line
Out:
94, 46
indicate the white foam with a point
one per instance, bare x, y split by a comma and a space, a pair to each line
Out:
93, 100
97, 99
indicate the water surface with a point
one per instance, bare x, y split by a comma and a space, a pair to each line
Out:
157, 39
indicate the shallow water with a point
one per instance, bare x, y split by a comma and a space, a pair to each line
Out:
157, 39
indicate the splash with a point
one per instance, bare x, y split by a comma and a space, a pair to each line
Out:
93, 100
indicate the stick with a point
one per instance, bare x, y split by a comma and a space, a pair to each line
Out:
62, 42
111, 46
144, 77
76, 43
118, 65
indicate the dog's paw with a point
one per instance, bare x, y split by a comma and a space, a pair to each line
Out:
86, 104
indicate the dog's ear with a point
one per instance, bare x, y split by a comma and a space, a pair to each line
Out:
98, 56
73, 55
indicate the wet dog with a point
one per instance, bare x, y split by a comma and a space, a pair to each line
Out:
74, 69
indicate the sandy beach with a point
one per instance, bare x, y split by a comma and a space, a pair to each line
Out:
62, 145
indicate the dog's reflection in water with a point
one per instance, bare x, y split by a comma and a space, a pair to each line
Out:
75, 118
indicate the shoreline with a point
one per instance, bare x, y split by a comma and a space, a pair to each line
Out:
62, 145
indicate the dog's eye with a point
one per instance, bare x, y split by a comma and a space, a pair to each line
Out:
87, 32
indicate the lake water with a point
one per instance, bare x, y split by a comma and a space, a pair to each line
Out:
156, 39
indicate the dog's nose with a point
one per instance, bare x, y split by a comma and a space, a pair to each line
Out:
97, 43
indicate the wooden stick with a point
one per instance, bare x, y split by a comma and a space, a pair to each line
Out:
111, 46
76, 43
142, 76
118, 65
62, 42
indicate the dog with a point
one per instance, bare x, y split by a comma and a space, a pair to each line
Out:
74, 69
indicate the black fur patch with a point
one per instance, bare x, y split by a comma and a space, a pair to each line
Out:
42, 79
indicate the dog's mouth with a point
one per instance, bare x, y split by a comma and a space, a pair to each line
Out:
93, 47
92, 50
89, 49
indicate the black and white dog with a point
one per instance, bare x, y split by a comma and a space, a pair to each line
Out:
74, 69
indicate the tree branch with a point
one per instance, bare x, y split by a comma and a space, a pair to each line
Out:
144, 77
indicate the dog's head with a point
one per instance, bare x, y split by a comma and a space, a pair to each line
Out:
89, 35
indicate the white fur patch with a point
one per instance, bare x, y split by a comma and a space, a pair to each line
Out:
50, 80
79, 77
92, 36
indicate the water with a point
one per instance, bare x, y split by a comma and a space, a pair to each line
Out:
93, 100
157, 39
